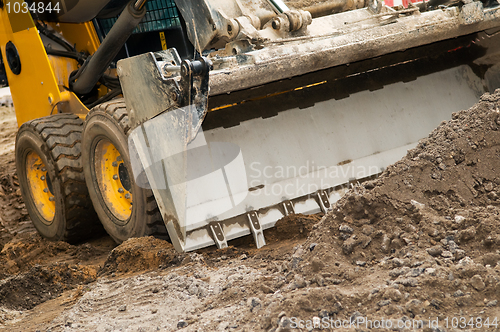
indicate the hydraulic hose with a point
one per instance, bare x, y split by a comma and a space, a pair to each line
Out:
111, 45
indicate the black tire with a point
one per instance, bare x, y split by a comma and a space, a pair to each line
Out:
55, 142
108, 123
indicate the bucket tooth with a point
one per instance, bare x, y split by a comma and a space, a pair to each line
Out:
323, 201
256, 228
218, 234
288, 207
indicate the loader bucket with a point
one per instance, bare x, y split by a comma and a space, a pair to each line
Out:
272, 144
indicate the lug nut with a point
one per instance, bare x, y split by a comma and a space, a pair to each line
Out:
119, 158
46, 190
42, 178
114, 164
127, 196
52, 199
115, 177
44, 169
121, 191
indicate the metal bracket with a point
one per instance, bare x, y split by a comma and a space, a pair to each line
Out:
324, 202
256, 228
288, 207
194, 83
218, 234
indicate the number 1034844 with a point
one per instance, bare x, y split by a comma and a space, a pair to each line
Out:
471, 322
18, 7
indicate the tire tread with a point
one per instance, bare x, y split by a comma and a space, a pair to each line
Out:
62, 134
117, 111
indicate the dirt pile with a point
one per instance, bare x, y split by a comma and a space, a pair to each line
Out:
420, 241
139, 255
41, 283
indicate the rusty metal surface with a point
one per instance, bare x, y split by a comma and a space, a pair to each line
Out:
341, 39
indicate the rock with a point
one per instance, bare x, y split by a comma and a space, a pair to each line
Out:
459, 254
299, 281
254, 303
430, 271
282, 314
452, 246
192, 289
355, 315
383, 303
323, 313
408, 282
415, 272
346, 229
397, 262
434, 251
349, 244
459, 219
360, 263
182, 324
492, 303
393, 294
414, 306
364, 241
467, 234
466, 261
446, 254
477, 282
458, 293
312, 246
266, 289
435, 303
295, 262
122, 308
399, 271
284, 325
367, 229
386, 243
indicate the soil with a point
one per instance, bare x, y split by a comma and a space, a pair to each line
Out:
418, 245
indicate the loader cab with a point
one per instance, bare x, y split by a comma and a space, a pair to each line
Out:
161, 28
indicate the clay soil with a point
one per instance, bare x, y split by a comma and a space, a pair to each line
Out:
417, 247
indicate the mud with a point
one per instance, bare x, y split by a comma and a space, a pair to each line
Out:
420, 244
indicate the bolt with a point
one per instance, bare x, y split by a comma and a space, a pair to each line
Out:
276, 24
115, 177
44, 169
42, 178
119, 158
174, 96
46, 190
52, 199
121, 191
127, 196
114, 164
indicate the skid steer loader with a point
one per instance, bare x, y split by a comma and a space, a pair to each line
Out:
208, 120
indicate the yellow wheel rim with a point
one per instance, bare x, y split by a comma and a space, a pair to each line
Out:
40, 186
113, 180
